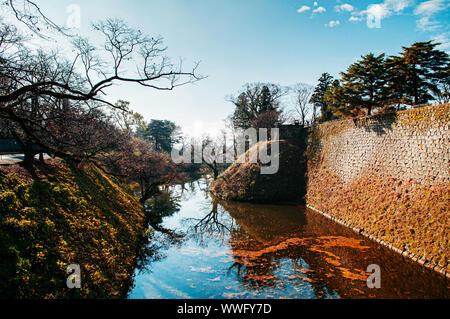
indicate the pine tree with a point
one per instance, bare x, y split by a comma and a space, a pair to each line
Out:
425, 68
318, 97
336, 100
397, 91
162, 134
364, 83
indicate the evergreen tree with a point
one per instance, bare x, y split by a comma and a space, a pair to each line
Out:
162, 134
257, 106
318, 97
426, 67
364, 83
397, 90
335, 97
266, 102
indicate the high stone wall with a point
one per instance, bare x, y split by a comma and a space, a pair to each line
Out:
411, 144
388, 177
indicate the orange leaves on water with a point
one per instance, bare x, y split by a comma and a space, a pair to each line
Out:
388, 208
353, 275
270, 249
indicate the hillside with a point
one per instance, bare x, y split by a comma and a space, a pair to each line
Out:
244, 181
66, 216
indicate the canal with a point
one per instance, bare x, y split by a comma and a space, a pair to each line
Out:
204, 248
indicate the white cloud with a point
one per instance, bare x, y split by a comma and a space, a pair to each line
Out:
444, 40
303, 9
430, 7
380, 11
333, 23
319, 10
316, 3
344, 7
426, 24
398, 5
355, 19
426, 10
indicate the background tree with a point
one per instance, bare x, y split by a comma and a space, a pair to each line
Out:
163, 134
257, 105
302, 103
211, 152
364, 83
318, 97
214, 153
426, 68
126, 120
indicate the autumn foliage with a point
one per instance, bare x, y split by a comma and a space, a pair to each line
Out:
137, 161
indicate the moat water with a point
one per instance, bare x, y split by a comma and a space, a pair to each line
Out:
204, 248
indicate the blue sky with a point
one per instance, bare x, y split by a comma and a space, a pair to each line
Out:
240, 41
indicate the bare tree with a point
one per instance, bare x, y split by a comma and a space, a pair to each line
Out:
100, 67
48, 76
302, 105
234, 132
28, 13
215, 152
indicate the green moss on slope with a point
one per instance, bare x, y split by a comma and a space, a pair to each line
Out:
67, 216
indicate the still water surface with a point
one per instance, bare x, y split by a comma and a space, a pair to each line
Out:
204, 248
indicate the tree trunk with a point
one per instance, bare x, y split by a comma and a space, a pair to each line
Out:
148, 191
28, 152
28, 159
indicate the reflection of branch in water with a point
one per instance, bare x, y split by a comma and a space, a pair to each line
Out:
212, 225
151, 251
211, 222
205, 188
162, 205
175, 238
185, 191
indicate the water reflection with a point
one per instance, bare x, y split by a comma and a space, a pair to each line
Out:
238, 250
163, 205
215, 224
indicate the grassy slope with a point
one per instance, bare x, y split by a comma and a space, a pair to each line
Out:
68, 216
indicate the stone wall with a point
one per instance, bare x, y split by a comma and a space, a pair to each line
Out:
387, 176
410, 144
